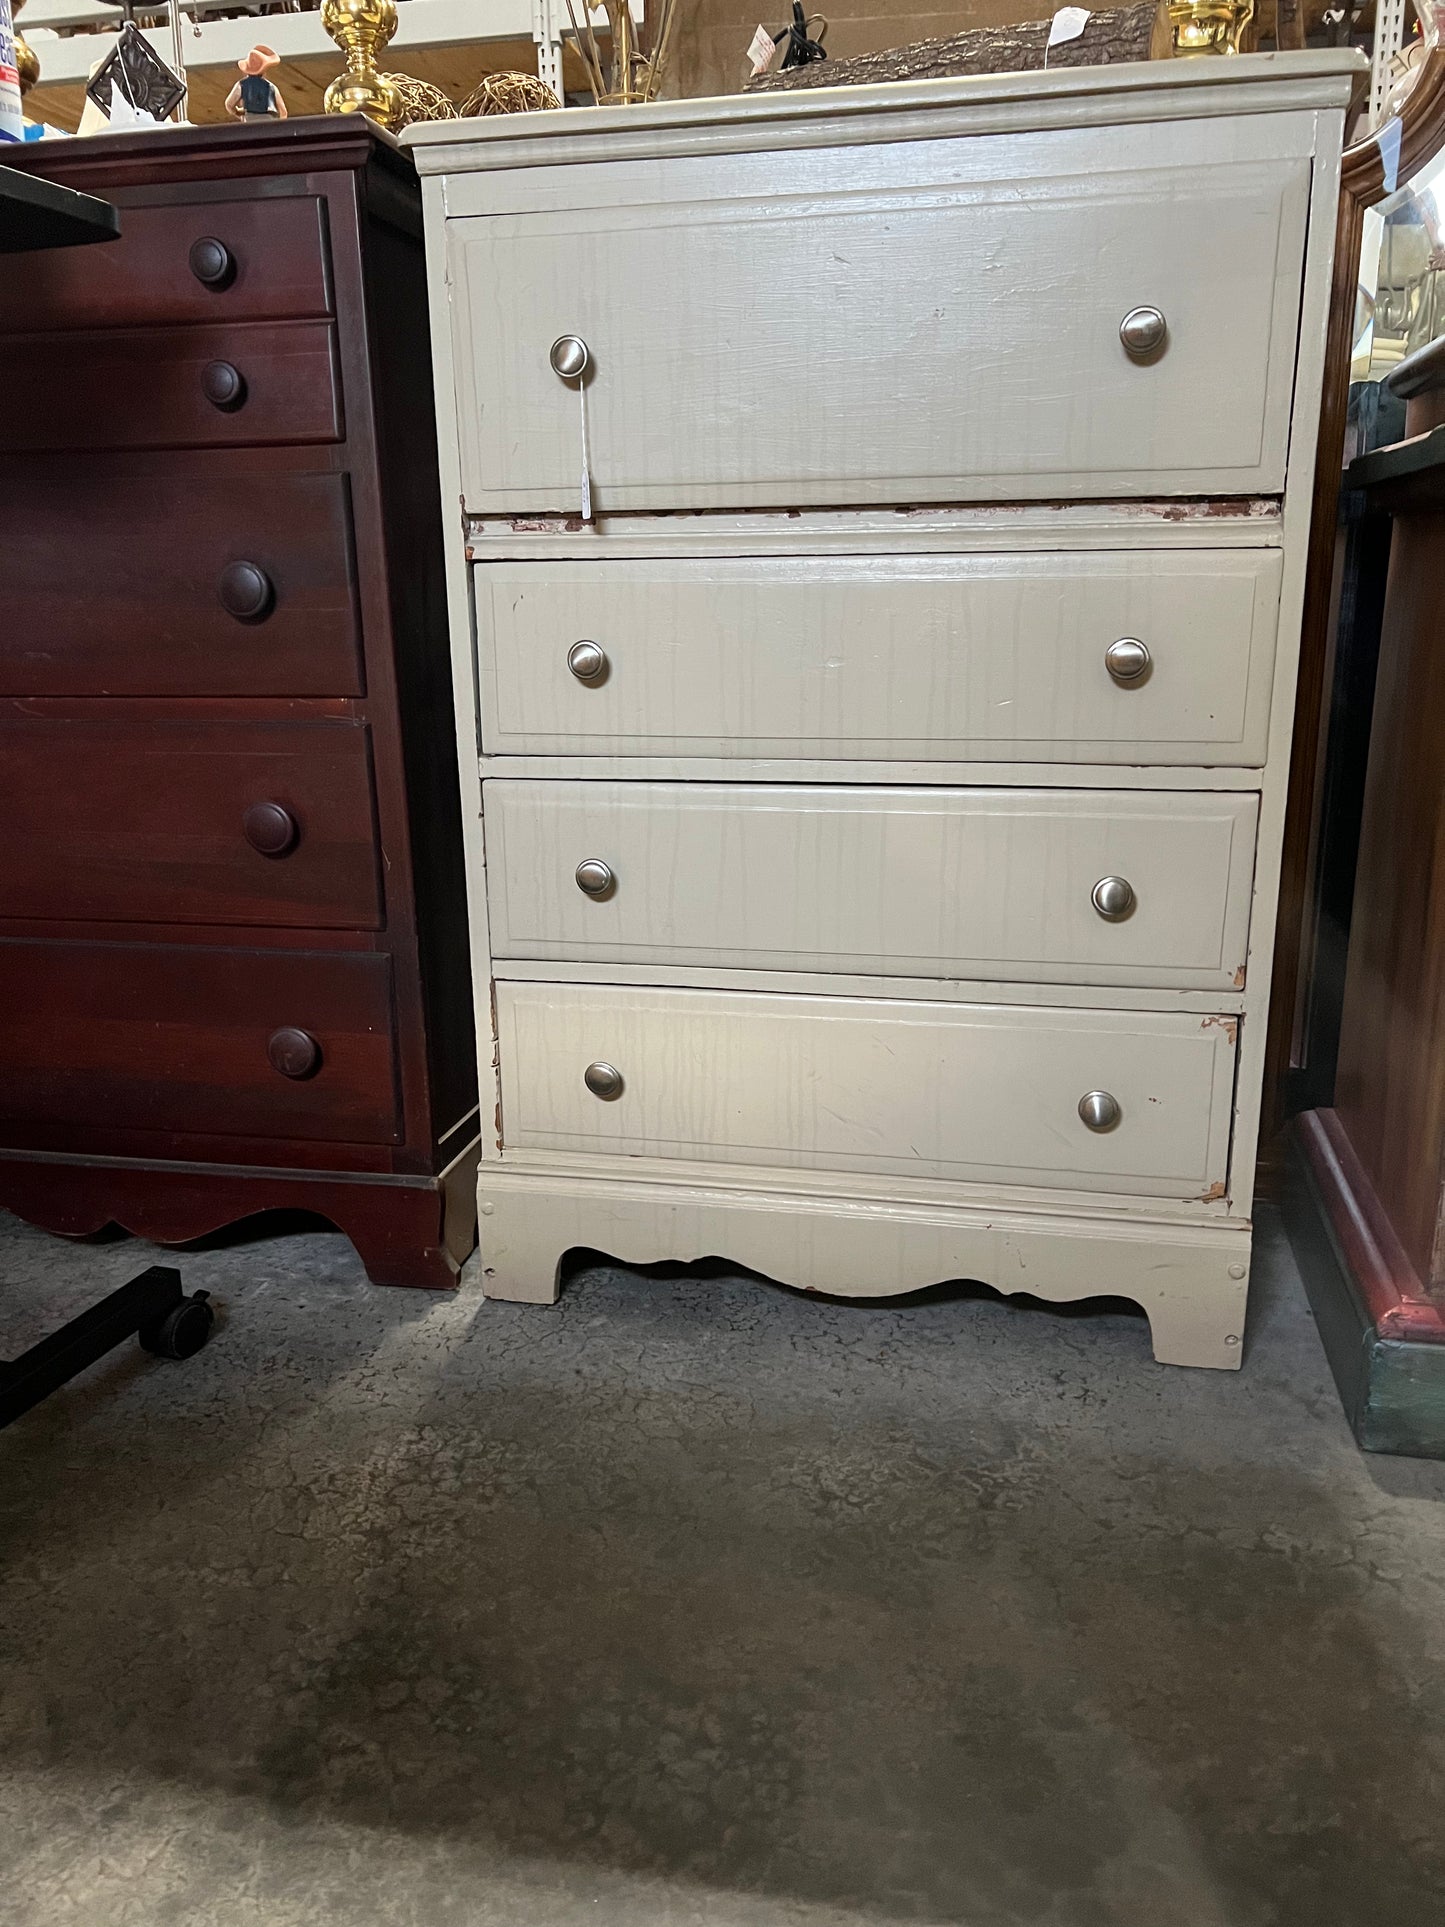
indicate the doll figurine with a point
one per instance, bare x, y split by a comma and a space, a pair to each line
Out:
254, 97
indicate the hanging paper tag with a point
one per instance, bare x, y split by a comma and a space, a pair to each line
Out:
586, 462
1389, 144
1067, 24
761, 50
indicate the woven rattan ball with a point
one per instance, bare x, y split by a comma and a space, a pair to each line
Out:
420, 101
509, 94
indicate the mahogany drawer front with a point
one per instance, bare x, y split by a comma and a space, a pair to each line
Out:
187, 822
181, 1039
194, 261
973, 1093
149, 388
922, 321
932, 658
988, 883
140, 606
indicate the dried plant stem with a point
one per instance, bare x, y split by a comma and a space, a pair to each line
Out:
660, 48
587, 48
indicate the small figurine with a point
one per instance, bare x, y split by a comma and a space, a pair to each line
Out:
254, 97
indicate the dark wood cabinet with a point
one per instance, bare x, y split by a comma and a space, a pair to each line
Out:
1367, 1201
233, 958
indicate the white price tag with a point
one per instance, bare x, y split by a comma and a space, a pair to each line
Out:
1388, 139
761, 50
1067, 24
586, 456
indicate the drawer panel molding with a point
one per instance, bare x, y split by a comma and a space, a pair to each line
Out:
141, 606
231, 1043
188, 822
211, 387
1003, 657
1101, 887
897, 277
221, 260
833, 1083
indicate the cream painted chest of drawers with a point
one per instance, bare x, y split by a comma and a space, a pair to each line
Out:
875, 766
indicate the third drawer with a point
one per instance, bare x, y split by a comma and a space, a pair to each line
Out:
164, 820
1136, 888
1110, 656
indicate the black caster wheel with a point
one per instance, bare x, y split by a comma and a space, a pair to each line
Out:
180, 1332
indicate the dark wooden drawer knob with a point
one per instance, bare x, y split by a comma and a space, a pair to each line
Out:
223, 384
212, 262
270, 828
294, 1053
246, 591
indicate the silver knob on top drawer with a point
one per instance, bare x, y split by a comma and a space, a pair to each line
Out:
1099, 1110
594, 877
603, 1080
1127, 660
570, 357
587, 661
1113, 898
1142, 332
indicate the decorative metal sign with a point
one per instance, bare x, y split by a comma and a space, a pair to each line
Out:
134, 70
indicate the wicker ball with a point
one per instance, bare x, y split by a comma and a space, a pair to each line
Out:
419, 101
509, 94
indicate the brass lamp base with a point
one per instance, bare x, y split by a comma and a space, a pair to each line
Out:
362, 93
362, 28
1211, 27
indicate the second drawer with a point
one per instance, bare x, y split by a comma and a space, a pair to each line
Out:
1043, 886
197, 387
951, 658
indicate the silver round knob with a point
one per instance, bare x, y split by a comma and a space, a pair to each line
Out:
570, 357
1142, 332
1127, 660
594, 877
587, 661
1099, 1110
603, 1080
1113, 898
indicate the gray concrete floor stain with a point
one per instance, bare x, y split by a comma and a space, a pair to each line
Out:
691, 1600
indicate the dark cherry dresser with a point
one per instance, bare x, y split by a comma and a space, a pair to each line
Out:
233, 954
1366, 1198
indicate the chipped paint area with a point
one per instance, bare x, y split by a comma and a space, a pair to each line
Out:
1229, 1025
830, 517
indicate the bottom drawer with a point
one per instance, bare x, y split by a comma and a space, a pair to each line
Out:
187, 1040
965, 1092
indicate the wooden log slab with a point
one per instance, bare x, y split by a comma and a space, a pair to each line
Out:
1118, 33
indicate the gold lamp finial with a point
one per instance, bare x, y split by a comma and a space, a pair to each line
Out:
361, 28
27, 64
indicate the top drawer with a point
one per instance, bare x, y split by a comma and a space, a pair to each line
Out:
202, 261
931, 321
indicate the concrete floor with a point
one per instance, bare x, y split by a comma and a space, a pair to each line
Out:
691, 1600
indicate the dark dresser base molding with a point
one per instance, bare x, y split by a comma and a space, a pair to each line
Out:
407, 1231
1383, 1335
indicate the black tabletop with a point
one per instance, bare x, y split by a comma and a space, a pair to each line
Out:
38, 214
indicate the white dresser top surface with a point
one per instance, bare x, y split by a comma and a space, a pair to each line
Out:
896, 110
